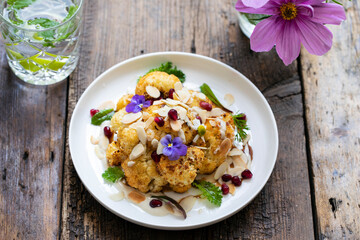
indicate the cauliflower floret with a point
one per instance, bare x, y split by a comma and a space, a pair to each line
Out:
213, 140
182, 172
161, 80
124, 101
141, 173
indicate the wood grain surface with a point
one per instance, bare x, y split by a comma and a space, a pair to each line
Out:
332, 98
116, 30
32, 143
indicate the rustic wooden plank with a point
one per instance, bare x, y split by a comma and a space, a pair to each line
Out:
331, 85
32, 121
283, 209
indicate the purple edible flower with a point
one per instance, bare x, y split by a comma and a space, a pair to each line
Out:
292, 23
137, 104
174, 148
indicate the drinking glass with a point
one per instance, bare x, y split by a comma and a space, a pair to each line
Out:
42, 56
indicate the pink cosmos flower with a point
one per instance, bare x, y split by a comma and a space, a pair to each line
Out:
291, 23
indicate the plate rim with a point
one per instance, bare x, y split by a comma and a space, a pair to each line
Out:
109, 70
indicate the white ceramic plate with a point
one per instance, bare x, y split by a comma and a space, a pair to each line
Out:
112, 84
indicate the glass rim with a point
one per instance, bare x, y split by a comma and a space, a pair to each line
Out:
45, 29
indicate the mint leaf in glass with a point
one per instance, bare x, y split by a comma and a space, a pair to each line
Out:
19, 4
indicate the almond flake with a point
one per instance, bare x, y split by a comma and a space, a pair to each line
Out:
229, 99
149, 121
107, 105
221, 170
137, 151
235, 152
94, 140
225, 146
178, 86
153, 91
182, 135
163, 112
203, 148
212, 123
136, 197
130, 163
201, 96
196, 138
157, 102
182, 112
231, 188
141, 135
188, 203
215, 112
131, 117
203, 115
240, 161
154, 143
175, 125
236, 171
159, 149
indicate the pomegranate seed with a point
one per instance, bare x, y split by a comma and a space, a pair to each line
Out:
173, 115
94, 111
243, 117
236, 181
225, 188
226, 177
159, 121
155, 203
199, 118
107, 132
205, 105
171, 93
246, 174
155, 157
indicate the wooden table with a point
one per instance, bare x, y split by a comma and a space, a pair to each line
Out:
314, 191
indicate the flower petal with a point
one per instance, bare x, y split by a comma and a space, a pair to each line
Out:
315, 37
137, 109
330, 13
182, 150
146, 104
168, 151
265, 33
269, 8
305, 10
288, 42
130, 107
177, 142
254, 3
166, 140
174, 156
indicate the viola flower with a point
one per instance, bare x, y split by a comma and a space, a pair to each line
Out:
137, 104
291, 23
173, 148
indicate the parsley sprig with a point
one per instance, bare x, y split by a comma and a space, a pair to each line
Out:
169, 69
241, 125
112, 174
209, 191
205, 89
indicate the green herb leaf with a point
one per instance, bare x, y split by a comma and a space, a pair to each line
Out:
19, 4
72, 11
102, 116
43, 22
112, 174
255, 18
15, 20
241, 125
210, 191
169, 69
205, 89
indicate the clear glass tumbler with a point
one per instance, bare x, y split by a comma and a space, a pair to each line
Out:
42, 55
